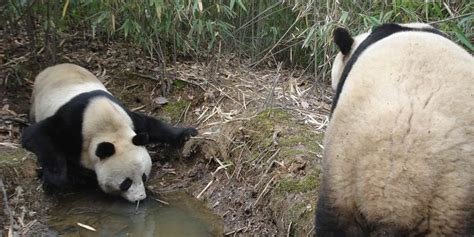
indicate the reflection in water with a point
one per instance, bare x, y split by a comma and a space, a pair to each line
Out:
184, 216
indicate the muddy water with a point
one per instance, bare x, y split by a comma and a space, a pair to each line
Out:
184, 216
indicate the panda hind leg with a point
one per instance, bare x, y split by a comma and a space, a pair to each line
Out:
452, 209
330, 222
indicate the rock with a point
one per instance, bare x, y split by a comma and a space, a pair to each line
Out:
161, 100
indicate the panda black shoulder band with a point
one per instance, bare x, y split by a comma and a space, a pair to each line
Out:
378, 33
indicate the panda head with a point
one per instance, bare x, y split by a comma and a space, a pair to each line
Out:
348, 45
122, 165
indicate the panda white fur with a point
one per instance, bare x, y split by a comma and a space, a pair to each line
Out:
78, 127
399, 149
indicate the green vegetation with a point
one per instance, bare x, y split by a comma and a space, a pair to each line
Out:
308, 183
301, 136
298, 170
293, 138
265, 124
174, 110
295, 31
12, 156
179, 84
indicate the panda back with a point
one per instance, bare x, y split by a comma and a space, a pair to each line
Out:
57, 85
405, 68
403, 130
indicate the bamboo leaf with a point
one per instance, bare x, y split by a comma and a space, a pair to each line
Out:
308, 38
200, 5
343, 18
241, 5
66, 4
462, 38
374, 21
387, 16
196, 6
113, 21
159, 4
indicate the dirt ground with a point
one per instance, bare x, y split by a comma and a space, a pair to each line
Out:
256, 161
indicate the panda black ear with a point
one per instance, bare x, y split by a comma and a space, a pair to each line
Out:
343, 40
141, 139
104, 150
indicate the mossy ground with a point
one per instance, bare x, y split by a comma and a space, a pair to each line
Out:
290, 133
173, 111
12, 155
299, 147
265, 124
309, 182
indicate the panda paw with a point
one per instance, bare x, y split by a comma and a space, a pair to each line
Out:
184, 135
53, 177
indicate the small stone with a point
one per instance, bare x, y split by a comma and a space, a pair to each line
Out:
161, 100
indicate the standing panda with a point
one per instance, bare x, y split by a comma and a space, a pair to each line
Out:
79, 127
399, 149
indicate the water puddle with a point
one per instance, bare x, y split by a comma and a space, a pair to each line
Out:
183, 216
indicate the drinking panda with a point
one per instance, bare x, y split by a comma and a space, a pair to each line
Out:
79, 127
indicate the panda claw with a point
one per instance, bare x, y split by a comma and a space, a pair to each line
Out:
189, 132
192, 132
186, 134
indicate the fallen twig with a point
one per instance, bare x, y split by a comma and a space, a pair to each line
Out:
7, 208
9, 145
144, 76
204, 190
26, 228
87, 227
219, 168
271, 95
288, 234
263, 191
235, 231
161, 201
138, 108
183, 114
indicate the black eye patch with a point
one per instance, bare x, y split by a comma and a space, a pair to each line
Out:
144, 178
125, 185
104, 150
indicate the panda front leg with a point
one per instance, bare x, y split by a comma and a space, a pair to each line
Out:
161, 132
53, 170
37, 139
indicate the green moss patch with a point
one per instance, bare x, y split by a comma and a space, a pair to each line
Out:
300, 211
298, 169
309, 182
174, 110
179, 84
265, 124
12, 155
294, 139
